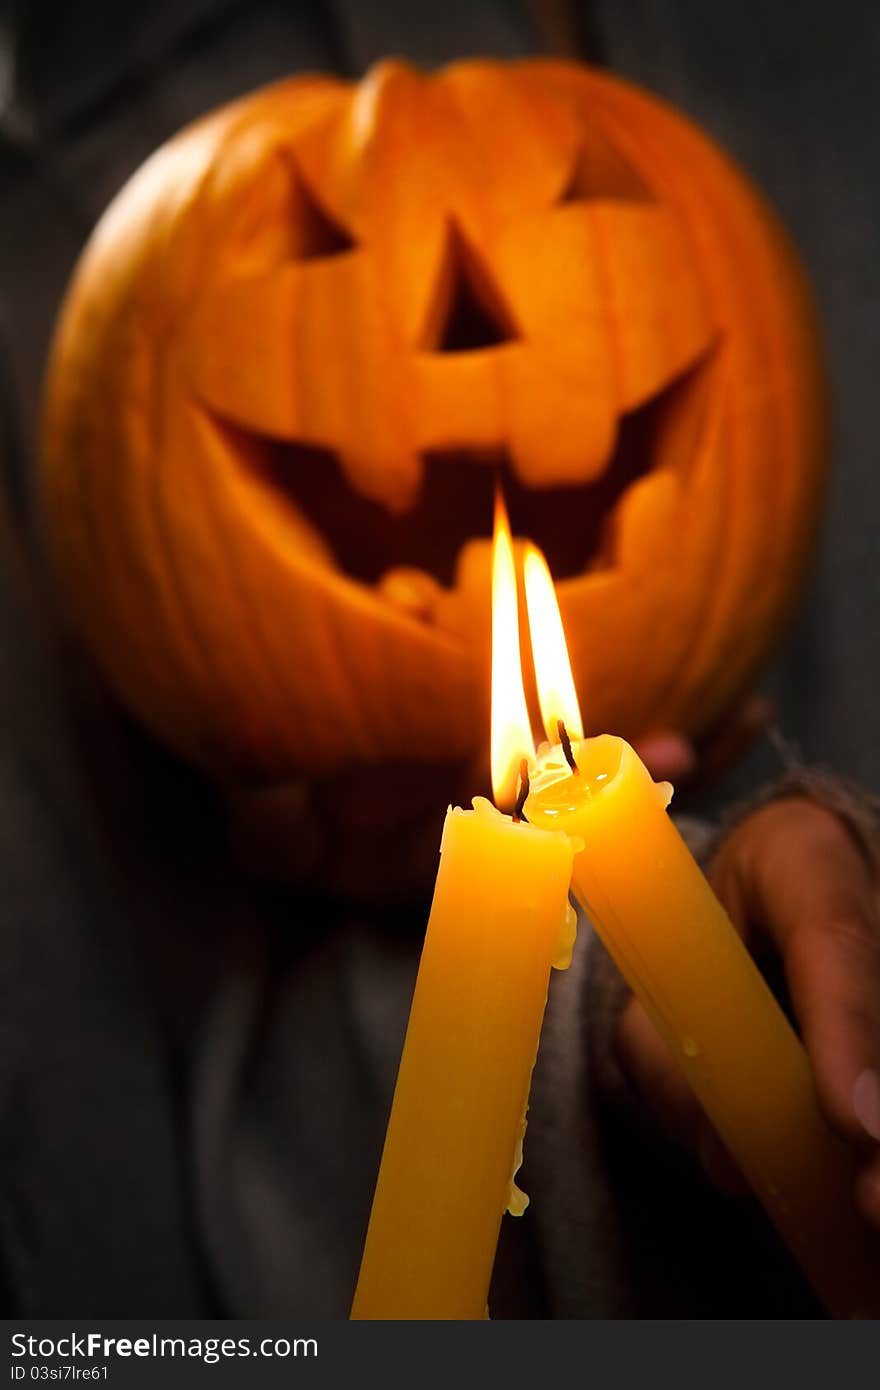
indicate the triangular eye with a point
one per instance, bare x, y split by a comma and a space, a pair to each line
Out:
469, 312
600, 171
316, 232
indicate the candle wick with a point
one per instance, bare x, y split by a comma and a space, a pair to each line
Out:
566, 745
523, 792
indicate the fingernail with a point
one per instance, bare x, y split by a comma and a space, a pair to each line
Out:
667, 755
866, 1102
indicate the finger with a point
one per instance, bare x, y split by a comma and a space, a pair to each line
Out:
667, 756
866, 1102
718, 1163
671, 755
868, 1191
810, 887
668, 1098
659, 1083
725, 745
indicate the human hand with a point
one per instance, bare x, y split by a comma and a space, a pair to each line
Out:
368, 834
671, 757
330, 834
797, 887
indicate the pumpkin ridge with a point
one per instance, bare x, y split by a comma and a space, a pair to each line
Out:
202, 661
680, 674
263, 667
704, 635
705, 657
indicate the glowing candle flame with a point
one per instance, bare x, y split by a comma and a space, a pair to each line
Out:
556, 692
511, 729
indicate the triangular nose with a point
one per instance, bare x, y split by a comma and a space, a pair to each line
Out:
470, 312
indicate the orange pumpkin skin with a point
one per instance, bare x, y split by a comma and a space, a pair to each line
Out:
290, 269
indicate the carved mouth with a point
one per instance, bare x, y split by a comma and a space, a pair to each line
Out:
573, 525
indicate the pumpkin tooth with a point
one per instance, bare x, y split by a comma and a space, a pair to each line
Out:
575, 453
396, 489
645, 517
410, 590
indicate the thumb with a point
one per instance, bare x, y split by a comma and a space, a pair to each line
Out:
669, 1100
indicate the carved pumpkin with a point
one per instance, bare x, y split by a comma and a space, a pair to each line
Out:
311, 329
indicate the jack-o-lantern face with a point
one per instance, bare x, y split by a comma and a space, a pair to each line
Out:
313, 329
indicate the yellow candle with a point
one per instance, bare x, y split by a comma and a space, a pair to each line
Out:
500, 902
499, 919
681, 955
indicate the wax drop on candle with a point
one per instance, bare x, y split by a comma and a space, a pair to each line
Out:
689, 1047
567, 938
517, 1200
